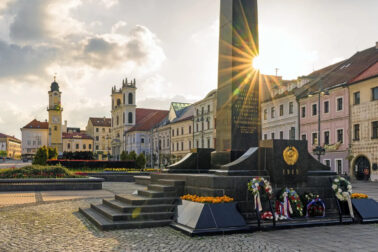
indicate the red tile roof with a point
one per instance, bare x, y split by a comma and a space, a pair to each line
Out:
370, 72
101, 121
146, 119
11, 137
35, 124
75, 135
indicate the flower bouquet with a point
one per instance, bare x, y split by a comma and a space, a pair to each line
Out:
294, 202
314, 205
359, 196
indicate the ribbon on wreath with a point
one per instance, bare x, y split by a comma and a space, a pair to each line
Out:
287, 207
350, 206
258, 205
312, 202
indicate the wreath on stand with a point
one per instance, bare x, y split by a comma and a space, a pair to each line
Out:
314, 205
343, 191
261, 190
289, 204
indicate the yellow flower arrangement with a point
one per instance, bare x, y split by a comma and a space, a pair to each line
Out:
214, 200
359, 196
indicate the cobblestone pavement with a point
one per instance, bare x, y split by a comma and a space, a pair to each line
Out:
57, 226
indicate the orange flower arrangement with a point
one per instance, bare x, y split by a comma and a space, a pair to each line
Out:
214, 200
359, 196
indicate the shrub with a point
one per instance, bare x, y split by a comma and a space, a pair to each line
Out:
124, 155
52, 152
132, 156
140, 161
41, 156
91, 164
80, 155
37, 171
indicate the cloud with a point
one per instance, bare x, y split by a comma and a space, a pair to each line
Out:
119, 27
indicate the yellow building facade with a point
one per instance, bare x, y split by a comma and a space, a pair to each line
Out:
11, 146
55, 117
364, 125
77, 142
100, 130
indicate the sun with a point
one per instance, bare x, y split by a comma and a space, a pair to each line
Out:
256, 62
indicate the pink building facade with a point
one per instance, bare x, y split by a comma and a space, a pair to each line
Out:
334, 127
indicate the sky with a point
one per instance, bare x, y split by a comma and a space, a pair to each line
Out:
170, 47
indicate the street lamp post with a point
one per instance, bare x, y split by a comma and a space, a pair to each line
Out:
319, 150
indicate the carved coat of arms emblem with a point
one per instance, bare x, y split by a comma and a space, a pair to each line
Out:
290, 155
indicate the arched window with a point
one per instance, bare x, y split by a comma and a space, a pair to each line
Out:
130, 117
130, 98
118, 102
124, 98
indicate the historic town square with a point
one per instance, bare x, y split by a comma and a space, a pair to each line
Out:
191, 125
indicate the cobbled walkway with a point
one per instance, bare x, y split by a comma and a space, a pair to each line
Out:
57, 226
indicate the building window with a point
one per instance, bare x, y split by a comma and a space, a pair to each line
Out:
326, 137
55, 128
190, 129
340, 135
208, 143
339, 165
326, 107
90, 146
272, 112
281, 134
97, 138
208, 123
208, 108
356, 97
374, 126
327, 162
265, 114
356, 130
130, 119
177, 132
374, 92
68, 146
173, 132
190, 145
177, 146
118, 102
123, 118
173, 147
130, 98
272, 135
314, 138
304, 137
77, 146
281, 110
182, 131
84, 146
292, 133
314, 109
291, 108
339, 102
265, 136
197, 144
182, 146
96, 129
303, 112
196, 127
142, 140
197, 112
117, 120
97, 147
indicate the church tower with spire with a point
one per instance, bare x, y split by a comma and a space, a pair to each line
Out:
55, 117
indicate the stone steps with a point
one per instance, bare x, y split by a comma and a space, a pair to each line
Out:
104, 223
142, 180
153, 207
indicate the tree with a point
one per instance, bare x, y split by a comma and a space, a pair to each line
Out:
3, 154
41, 156
132, 155
124, 155
140, 161
52, 153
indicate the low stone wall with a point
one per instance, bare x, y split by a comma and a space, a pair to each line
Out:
118, 176
51, 184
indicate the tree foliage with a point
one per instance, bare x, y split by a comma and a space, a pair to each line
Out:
140, 161
124, 156
132, 155
41, 156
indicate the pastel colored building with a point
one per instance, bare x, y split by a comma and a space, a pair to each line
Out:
10, 146
77, 142
363, 93
34, 135
99, 128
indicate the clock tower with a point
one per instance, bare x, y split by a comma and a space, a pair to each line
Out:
55, 117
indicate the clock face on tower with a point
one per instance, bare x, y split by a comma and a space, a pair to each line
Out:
55, 119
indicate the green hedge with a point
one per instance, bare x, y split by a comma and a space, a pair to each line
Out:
37, 171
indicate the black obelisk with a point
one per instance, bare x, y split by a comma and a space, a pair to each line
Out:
237, 117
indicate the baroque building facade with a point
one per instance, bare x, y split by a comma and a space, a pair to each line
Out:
204, 121
34, 135
99, 128
10, 146
55, 110
363, 95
